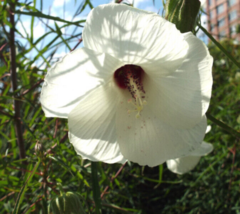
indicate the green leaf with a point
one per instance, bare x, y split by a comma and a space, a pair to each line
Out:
79, 175
42, 15
61, 163
60, 35
118, 209
160, 172
32, 23
24, 188
166, 182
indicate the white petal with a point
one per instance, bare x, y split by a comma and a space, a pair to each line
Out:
134, 36
92, 128
72, 78
183, 165
208, 129
204, 149
149, 141
181, 98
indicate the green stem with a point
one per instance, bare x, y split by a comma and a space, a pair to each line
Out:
17, 116
223, 125
219, 46
96, 189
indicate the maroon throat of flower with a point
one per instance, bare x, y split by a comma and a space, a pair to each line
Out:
130, 77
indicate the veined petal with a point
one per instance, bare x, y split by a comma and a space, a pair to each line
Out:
73, 77
186, 164
181, 98
149, 141
92, 128
134, 36
204, 149
208, 129
183, 165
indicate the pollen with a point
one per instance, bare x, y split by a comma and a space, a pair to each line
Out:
130, 77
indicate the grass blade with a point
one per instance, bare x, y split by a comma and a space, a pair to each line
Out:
24, 188
42, 15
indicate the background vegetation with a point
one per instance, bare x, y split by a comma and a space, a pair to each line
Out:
29, 180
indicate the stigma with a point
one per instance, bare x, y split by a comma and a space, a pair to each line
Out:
130, 77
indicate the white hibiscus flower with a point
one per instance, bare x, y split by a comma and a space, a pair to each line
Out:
186, 164
137, 91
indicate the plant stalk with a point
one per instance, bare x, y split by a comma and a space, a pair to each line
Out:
17, 116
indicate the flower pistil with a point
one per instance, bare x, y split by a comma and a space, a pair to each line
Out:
130, 77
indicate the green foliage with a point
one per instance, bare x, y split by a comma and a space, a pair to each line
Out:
32, 184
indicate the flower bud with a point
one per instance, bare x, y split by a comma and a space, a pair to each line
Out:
39, 149
67, 203
237, 77
182, 13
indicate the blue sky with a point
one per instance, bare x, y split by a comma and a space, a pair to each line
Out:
66, 9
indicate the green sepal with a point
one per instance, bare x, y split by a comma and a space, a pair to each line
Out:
182, 13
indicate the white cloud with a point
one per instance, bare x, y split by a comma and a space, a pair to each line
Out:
69, 16
38, 29
59, 3
151, 9
138, 2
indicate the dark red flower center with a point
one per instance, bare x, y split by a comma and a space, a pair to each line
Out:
123, 75
130, 77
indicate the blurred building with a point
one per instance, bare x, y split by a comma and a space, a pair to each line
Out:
223, 18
